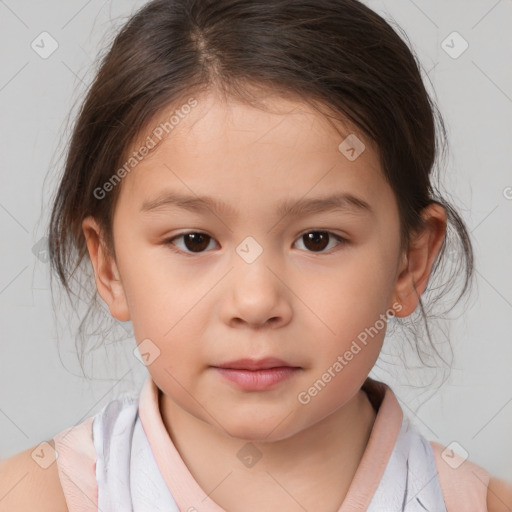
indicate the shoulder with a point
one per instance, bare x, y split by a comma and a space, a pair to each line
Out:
464, 481
499, 495
28, 485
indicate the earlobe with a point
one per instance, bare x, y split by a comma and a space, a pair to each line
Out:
106, 273
416, 264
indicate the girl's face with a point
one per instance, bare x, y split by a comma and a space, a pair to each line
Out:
255, 282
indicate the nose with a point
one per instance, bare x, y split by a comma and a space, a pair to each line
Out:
256, 294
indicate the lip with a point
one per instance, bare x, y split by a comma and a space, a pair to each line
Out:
258, 380
255, 364
257, 374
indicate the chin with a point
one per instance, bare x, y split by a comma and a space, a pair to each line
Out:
259, 431
255, 435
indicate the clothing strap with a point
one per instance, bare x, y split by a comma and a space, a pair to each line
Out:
106, 463
463, 482
76, 461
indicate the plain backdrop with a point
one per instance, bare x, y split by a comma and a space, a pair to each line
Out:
41, 387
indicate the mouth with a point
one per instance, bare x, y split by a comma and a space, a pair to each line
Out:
257, 375
256, 364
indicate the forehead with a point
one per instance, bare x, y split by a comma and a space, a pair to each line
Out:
230, 148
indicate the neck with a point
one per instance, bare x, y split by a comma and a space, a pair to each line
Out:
309, 470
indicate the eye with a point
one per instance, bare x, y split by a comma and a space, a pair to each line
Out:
197, 242
317, 241
194, 241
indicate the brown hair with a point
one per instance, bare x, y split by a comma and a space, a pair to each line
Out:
335, 53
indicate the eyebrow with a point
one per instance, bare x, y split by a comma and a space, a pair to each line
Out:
301, 207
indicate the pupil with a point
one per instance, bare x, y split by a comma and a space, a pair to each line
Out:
314, 237
196, 239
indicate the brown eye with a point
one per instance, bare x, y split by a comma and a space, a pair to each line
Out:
317, 241
194, 242
197, 242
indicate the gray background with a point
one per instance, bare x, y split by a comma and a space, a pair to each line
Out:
41, 390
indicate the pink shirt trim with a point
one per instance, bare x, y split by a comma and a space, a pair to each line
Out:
464, 484
76, 463
187, 492
464, 487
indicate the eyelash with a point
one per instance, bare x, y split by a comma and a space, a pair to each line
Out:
341, 241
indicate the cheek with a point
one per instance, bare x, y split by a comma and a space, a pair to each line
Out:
157, 293
353, 296
349, 310
168, 317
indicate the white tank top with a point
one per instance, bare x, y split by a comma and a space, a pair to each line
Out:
122, 459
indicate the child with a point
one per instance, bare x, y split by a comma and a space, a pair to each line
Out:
258, 129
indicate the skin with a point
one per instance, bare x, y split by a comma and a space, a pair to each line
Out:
295, 302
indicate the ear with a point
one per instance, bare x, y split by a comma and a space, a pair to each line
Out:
416, 263
108, 281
